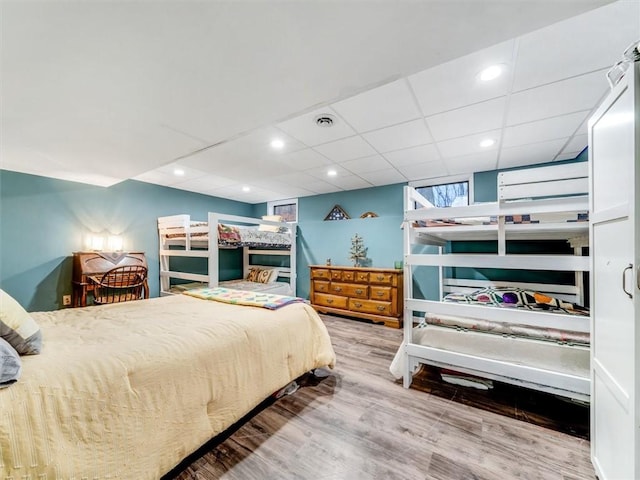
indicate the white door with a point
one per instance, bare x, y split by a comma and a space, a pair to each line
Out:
615, 296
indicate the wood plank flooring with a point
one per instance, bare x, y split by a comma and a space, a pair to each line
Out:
360, 424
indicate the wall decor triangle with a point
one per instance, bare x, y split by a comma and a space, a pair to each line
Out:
337, 213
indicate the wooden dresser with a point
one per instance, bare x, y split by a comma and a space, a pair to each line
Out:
370, 293
87, 264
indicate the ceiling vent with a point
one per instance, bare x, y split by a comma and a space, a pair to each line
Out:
325, 120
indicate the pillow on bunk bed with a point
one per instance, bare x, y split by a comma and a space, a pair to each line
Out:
228, 233
17, 327
263, 275
272, 228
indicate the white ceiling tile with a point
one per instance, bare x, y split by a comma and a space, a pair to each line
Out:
304, 159
577, 143
346, 149
567, 96
384, 177
469, 145
404, 135
380, 107
305, 129
541, 130
320, 187
423, 170
156, 176
530, 154
322, 172
597, 38
408, 156
349, 182
478, 162
205, 182
477, 118
455, 84
366, 164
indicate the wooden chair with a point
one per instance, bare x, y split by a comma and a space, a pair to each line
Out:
120, 284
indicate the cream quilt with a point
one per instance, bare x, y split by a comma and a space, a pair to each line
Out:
126, 391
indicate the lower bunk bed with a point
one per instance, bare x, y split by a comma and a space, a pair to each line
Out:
518, 336
129, 390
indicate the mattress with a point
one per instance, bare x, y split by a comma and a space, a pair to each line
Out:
233, 235
128, 390
554, 217
546, 355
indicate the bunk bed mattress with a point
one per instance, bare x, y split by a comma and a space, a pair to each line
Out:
555, 217
280, 288
573, 360
234, 235
128, 390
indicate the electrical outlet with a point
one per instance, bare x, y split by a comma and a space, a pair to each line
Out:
66, 300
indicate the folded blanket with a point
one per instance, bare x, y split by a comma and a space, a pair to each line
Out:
243, 297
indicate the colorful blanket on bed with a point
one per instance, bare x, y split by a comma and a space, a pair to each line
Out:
270, 301
517, 298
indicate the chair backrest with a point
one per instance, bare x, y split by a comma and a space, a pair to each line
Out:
121, 284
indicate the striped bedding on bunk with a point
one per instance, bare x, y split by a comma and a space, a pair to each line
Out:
237, 236
517, 298
509, 219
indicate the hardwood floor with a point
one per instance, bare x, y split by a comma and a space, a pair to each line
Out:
360, 424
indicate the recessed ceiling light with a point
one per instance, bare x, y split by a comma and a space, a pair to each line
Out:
246, 189
332, 173
178, 171
277, 143
491, 73
487, 142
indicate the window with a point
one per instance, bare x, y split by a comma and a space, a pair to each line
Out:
446, 192
287, 209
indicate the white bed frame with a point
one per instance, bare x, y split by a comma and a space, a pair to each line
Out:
210, 248
559, 188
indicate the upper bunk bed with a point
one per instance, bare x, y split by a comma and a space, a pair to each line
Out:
529, 334
180, 236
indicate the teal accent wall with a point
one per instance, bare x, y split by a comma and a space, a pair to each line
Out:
319, 239
43, 220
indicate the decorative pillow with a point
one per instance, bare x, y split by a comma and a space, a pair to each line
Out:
17, 327
270, 228
263, 275
10, 364
228, 234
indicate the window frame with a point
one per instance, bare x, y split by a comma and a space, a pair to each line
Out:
434, 182
277, 203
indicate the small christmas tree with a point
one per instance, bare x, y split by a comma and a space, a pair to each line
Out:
358, 251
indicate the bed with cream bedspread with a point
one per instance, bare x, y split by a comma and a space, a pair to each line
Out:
129, 390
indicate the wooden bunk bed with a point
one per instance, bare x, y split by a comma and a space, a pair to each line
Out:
180, 236
554, 203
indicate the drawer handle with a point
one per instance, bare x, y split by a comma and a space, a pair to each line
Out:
362, 277
380, 277
329, 300
357, 304
359, 291
337, 289
381, 308
380, 294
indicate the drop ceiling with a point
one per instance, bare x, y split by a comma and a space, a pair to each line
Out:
100, 92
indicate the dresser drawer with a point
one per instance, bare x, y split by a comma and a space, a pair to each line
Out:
380, 293
370, 306
382, 278
321, 286
320, 273
362, 277
338, 288
356, 291
330, 300
336, 275
348, 276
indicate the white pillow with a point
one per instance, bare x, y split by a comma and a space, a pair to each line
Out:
270, 228
17, 327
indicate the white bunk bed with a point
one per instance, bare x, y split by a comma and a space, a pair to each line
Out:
554, 196
179, 236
